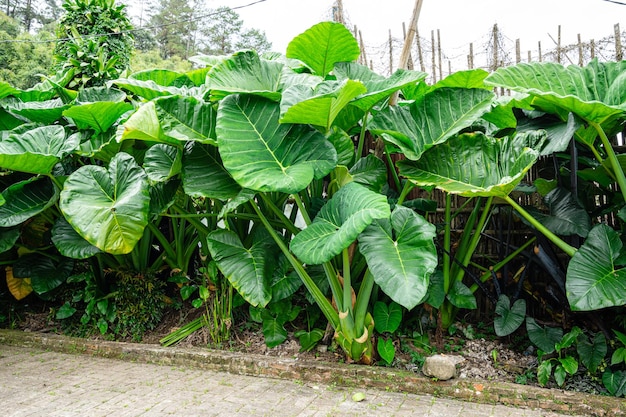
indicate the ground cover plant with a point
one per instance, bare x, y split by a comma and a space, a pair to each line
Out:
246, 186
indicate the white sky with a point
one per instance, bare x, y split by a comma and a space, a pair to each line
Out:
459, 21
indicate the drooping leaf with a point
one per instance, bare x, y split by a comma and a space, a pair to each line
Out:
508, 318
262, 154
593, 280
343, 146
565, 215
36, 150
45, 273
163, 77
387, 318
69, 242
20, 288
615, 382
559, 133
148, 89
172, 120
46, 112
108, 207
162, 162
98, 108
7, 90
246, 72
368, 171
472, 165
274, 332
284, 284
322, 46
339, 223
163, 196
204, 174
563, 89
401, 255
319, 106
25, 199
440, 115
308, 340
247, 269
378, 87
545, 338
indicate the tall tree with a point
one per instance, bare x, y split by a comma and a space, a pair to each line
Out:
223, 33
175, 28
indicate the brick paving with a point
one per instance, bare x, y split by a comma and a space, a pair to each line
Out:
36, 382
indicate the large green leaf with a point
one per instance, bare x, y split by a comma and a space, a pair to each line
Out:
593, 280
339, 223
172, 120
162, 162
378, 87
596, 92
69, 242
262, 154
368, 171
322, 46
98, 108
164, 77
7, 90
26, 199
108, 207
46, 112
45, 273
472, 165
8, 238
245, 72
564, 216
36, 150
319, 106
247, 269
545, 338
204, 174
438, 116
401, 255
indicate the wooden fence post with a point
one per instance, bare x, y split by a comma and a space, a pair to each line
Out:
618, 43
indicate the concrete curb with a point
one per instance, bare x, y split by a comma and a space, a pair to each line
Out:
490, 392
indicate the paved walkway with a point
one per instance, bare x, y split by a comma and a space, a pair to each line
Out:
34, 382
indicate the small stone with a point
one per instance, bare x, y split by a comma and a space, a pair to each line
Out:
358, 397
441, 367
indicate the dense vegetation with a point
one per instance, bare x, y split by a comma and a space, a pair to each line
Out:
157, 189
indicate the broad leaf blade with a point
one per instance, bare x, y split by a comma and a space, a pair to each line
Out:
108, 207
472, 165
339, 223
69, 242
565, 216
401, 255
593, 280
508, 318
248, 270
439, 116
26, 199
323, 45
204, 174
262, 154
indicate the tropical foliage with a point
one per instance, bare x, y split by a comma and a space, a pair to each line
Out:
251, 175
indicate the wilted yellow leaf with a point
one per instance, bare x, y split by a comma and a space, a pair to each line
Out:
19, 287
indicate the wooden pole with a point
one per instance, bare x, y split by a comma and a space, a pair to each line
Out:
432, 41
363, 54
409, 64
540, 57
495, 47
529, 56
592, 46
419, 51
618, 43
580, 51
338, 12
470, 57
390, 53
439, 54
408, 40
518, 52
558, 46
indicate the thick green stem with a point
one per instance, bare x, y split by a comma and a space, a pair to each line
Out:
347, 283
408, 186
446, 245
617, 168
394, 174
302, 208
326, 307
286, 223
471, 247
359, 150
560, 243
362, 300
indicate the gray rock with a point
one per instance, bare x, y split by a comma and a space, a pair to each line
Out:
442, 367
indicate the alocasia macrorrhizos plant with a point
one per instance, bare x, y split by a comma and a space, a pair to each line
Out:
596, 95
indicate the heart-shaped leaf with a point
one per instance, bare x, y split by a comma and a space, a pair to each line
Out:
108, 207
387, 318
545, 338
386, 350
308, 340
323, 45
162, 162
593, 281
262, 154
401, 255
247, 269
565, 215
508, 318
592, 352
339, 223
20, 288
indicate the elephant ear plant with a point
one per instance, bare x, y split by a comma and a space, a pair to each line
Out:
595, 94
282, 133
